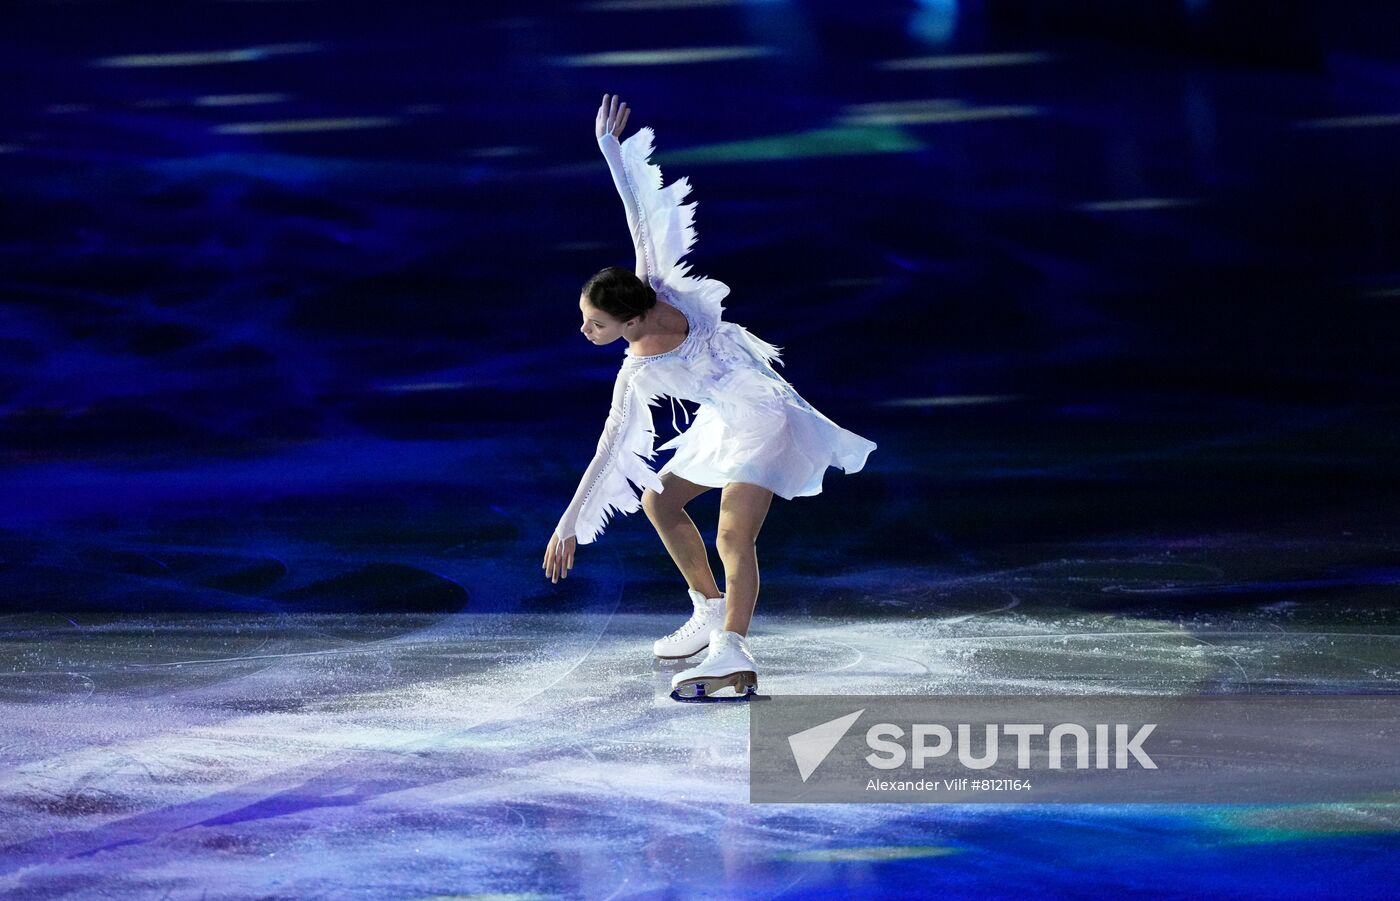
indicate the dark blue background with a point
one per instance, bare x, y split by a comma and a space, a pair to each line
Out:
251, 368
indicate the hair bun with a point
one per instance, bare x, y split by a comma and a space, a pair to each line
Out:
620, 293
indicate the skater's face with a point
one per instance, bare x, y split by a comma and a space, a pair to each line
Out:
599, 327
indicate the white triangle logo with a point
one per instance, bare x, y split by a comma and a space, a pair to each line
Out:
810, 746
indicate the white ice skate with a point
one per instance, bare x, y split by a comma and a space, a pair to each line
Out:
729, 664
691, 638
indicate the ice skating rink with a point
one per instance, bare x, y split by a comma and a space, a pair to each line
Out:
536, 755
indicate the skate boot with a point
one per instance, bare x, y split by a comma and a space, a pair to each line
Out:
691, 638
729, 664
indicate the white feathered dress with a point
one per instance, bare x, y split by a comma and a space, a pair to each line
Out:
751, 426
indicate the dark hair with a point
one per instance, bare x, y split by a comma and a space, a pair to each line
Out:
619, 293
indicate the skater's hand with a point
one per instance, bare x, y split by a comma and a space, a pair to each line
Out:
611, 119
559, 557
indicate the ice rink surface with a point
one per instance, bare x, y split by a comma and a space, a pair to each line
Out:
538, 756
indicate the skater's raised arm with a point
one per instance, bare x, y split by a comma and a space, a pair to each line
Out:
662, 223
608, 126
604, 489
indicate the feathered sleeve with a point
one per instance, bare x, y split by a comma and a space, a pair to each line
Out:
663, 228
628, 441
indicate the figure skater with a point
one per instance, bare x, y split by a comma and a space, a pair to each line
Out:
753, 435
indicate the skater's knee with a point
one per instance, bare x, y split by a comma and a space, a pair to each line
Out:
660, 503
730, 539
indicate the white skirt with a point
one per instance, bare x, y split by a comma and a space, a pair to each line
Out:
785, 447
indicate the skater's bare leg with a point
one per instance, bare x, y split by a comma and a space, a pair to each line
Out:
742, 509
666, 511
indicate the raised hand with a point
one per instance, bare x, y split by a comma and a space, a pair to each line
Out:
611, 118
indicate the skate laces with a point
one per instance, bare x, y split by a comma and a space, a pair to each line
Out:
702, 614
690, 627
733, 640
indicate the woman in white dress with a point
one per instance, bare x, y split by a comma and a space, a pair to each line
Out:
753, 435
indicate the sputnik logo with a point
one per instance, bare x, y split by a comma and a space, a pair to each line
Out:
811, 746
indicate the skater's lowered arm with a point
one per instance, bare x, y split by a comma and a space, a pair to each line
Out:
628, 437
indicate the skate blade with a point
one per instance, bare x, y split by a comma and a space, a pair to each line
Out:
681, 656
745, 685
